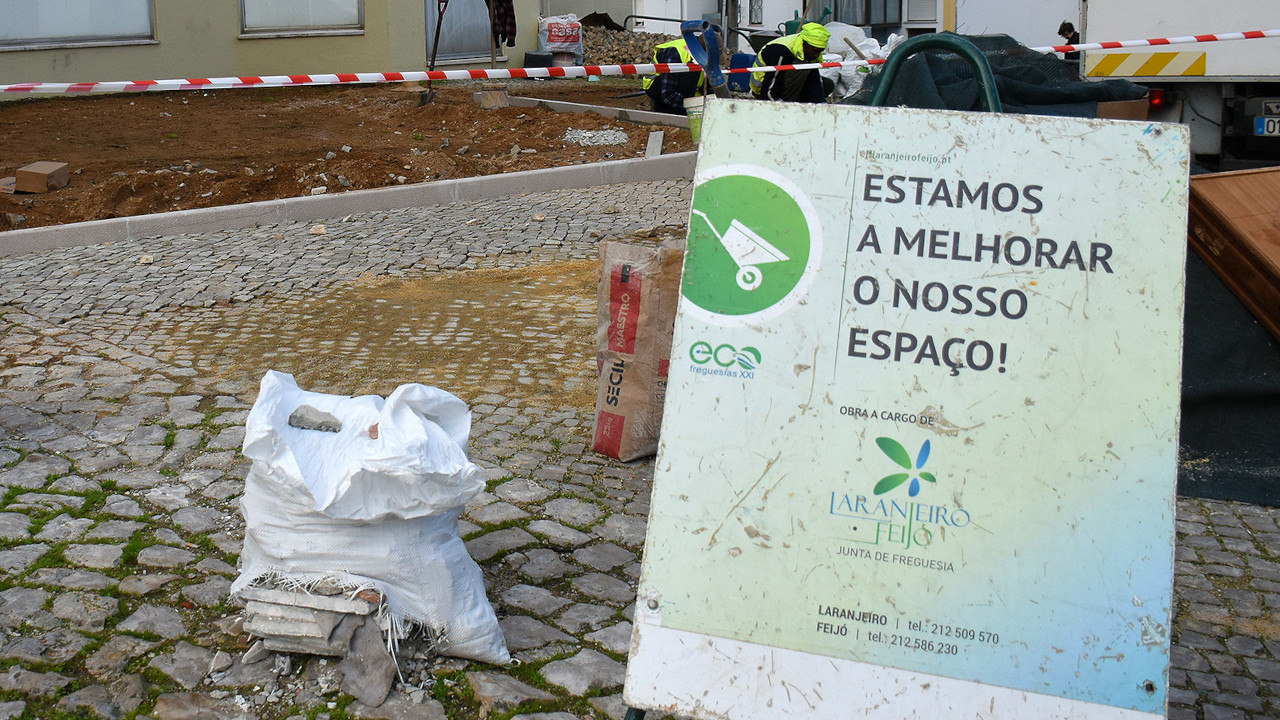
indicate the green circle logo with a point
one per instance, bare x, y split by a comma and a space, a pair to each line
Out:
752, 242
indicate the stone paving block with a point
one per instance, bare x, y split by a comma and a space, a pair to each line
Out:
605, 587
1220, 712
72, 578
208, 593
198, 706
587, 670
17, 604
397, 707
626, 530
522, 491
543, 564
615, 639
94, 555
558, 534
188, 664
14, 526
163, 556
533, 599
77, 484
160, 620
115, 653
603, 556
93, 697
53, 647
122, 506
33, 683
46, 501
215, 566
571, 511
498, 512
114, 530
87, 612
486, 546
523, 632
170, 497
501, 693
34, 471
21, 557
63, 528
198, 519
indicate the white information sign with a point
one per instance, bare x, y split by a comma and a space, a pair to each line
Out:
919, 450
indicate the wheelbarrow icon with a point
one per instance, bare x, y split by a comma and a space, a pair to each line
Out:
747, 249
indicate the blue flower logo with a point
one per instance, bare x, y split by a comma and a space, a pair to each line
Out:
899, 455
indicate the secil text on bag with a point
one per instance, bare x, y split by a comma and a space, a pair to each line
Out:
638, 291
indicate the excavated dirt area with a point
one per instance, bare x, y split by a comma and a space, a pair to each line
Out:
134, 154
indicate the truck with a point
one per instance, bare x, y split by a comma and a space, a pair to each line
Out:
1228, 93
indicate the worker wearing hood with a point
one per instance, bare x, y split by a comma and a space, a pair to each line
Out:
805, 46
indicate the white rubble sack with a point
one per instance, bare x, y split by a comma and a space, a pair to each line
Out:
366, 509
844, 39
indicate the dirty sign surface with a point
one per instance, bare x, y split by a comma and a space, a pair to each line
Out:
920, 441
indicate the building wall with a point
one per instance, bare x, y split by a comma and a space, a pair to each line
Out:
616, 9
1032, 24
202, 40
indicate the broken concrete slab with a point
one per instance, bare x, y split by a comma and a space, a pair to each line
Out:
355, 606
368, 669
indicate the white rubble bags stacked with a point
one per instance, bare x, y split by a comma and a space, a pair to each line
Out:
367, 494
849, 43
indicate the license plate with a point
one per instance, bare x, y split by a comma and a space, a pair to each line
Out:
1266, 125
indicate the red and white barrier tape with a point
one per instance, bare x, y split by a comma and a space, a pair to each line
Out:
545, 72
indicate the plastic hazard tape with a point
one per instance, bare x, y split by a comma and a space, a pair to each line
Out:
570, 71
1162, 64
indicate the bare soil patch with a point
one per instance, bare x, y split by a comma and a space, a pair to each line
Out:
140, 153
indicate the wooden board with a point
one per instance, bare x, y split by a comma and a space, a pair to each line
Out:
1234, 226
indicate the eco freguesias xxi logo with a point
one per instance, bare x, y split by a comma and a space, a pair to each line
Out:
899, 455
724, 360
725, 355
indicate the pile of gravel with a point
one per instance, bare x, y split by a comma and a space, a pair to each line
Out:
601, 46
595, 137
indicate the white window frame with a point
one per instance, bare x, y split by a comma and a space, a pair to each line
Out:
104, 39
248, 33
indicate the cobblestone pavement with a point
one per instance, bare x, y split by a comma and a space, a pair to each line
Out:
126, 372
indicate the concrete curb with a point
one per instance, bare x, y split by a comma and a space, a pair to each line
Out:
305, 209
637, 116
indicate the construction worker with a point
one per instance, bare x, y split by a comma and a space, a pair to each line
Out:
669, 90
806, 86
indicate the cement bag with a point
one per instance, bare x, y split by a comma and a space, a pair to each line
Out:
638, 290
561, 34
368, 511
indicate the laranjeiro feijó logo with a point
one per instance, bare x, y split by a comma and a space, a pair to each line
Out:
753, 244
899, 455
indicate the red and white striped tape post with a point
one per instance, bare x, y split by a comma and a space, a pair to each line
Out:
265, 81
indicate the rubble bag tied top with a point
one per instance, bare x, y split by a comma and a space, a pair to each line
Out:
415, 466
369, 512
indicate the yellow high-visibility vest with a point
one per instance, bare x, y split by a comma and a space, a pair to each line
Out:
685, 57
792, 43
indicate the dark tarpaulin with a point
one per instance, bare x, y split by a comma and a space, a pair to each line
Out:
1027, 81
1230, 437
